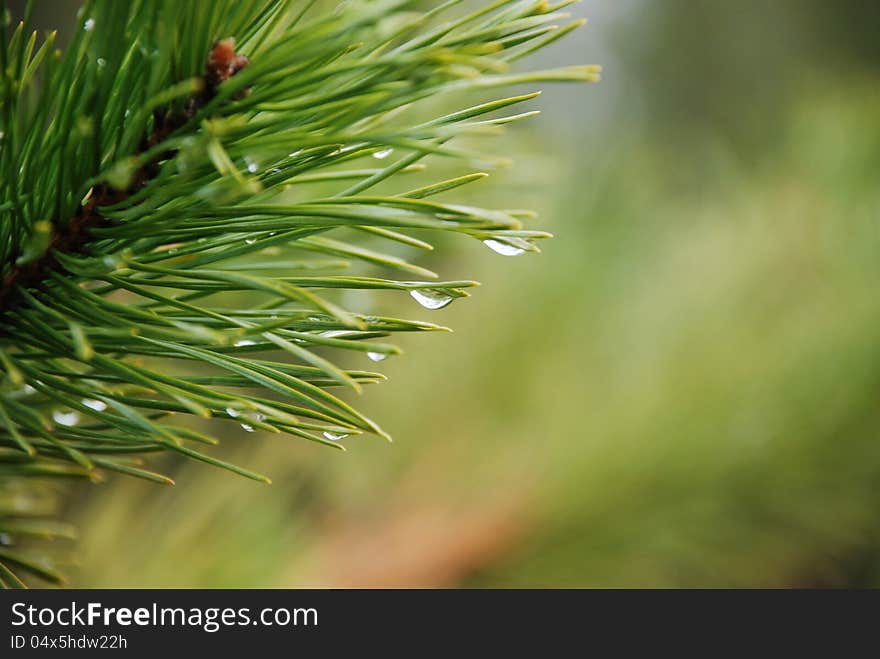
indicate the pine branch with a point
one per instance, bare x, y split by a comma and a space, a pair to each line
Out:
179, 211
72, 237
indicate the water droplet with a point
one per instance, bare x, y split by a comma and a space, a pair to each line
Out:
97, 405
250, 241
68, 418
5, 539
505, 247
251, 416
234, 413
89, 25
26, 390
384, 153
251, 165
102, 62
431, 298
173, 250
245, 342
334, 437
332, 334
294, 154
377, 356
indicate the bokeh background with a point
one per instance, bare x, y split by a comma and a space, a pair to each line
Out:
682, 390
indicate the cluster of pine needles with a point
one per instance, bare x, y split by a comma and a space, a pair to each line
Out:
189, 192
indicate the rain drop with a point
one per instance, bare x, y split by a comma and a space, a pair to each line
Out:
334, 437
332, 334
245, 342
97, 405
431, 298
234, 413
503, 247
69, 418
89, 25
251, 416
250, 241
102, 62
384, 153
377, 356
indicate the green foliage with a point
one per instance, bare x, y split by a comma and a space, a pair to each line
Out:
174, 246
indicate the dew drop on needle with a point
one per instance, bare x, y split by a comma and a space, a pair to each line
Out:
431, 299
503, 248
65, 418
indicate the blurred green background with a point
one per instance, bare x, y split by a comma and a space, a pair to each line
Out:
683, 390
